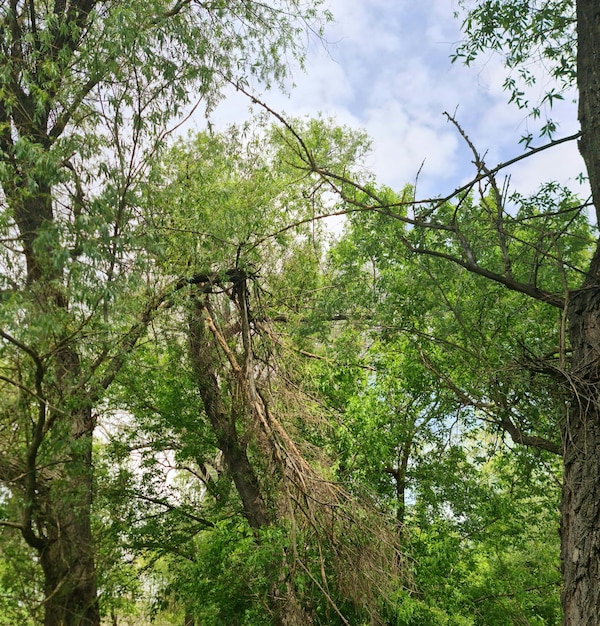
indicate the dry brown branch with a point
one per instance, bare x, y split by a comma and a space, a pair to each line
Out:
353, 545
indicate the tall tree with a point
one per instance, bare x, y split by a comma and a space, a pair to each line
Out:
532, 237
426, 355
87, 89
226, 394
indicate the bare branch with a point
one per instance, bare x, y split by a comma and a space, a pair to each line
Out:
437, 202
499, 417
178, 509
9, 524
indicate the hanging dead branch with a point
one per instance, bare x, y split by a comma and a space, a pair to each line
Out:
339, 541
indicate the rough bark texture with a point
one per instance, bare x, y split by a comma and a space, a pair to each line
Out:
57, 479
580, 528
55, 484
588, 84
61, 514
68, 565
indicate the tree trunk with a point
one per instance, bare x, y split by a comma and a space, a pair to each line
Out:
580, 527
32, 215
67, 558
189, 620
223, 422
286, 608
70, 581
580, 507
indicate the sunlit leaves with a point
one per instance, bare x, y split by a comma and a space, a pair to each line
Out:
440, 359
533, 38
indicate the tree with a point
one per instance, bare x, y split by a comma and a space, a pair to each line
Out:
260, 533
87, 90
521, 243
425, 357
581, 480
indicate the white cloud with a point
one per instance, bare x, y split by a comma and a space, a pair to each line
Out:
386, 68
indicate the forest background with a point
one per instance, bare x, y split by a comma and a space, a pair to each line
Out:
212, 411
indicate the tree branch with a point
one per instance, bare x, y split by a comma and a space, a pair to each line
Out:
9, 524
176, 509
503, 420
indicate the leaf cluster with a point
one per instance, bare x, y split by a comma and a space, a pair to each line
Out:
530, 37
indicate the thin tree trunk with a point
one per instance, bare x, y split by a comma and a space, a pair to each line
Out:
285, 606
223, 423
189, 620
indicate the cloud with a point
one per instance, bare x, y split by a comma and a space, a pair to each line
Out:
385, 67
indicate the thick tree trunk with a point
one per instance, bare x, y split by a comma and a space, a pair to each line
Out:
56, 515
580, 528
67, 558
69, 579
32, 214
58, 489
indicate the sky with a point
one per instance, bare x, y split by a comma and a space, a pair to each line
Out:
385, 67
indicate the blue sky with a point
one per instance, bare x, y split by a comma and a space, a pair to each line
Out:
385, 68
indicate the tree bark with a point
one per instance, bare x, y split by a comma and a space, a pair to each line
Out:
580, 526
64, 515
189, 620
31, 217
580, 507
285, 606
69, 576
223, 422
56, 508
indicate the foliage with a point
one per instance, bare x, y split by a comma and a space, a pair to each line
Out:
536, 41
20, 585
432, 366
234, 215
87, 93
293, 430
